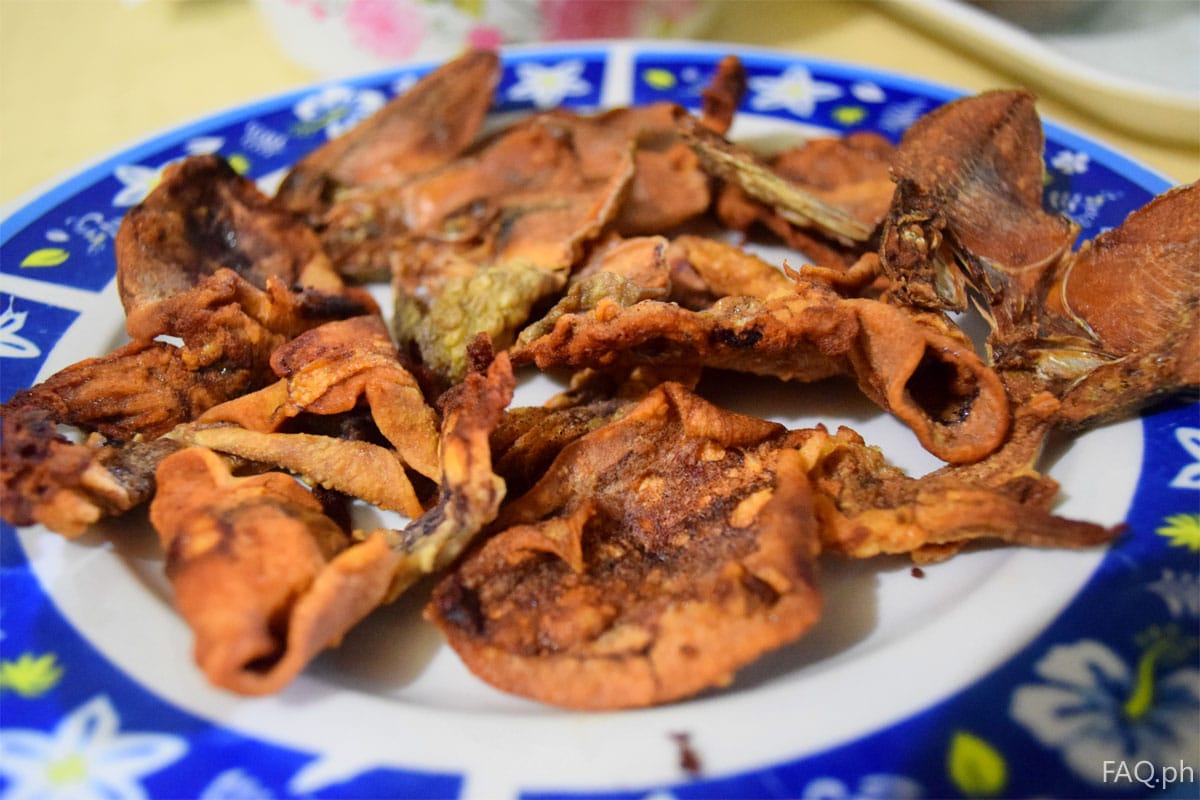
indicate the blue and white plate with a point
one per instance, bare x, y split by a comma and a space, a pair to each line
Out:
1003, 671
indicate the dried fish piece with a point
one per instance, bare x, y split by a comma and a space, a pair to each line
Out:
800, 206
921, 369
203, 217
968, 208
469, 492
431, 123
68, 486
1106, 329
1119, 326
850, 173
371, 229
264, 579
658, 555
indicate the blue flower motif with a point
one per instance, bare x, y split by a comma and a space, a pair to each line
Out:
12, 344
1189, 476
1071, 162
336, 109
1097, 710
547, 85
794, 90
84, 756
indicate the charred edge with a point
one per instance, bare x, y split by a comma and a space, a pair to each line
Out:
738, 339
936, 387
319, 305
459, 606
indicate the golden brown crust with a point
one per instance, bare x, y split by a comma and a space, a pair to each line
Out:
264, 579
659, 554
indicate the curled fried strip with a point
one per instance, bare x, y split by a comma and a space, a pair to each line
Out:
470, 493
263, 578
355, 468
329, 370
868, 507
927, 375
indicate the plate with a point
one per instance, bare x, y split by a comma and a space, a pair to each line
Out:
1002, 671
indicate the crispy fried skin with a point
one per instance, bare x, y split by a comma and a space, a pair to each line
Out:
968, 207
330, 370
66, 486
203, 217
229, 330
143, 389
518, 188
527, 440
1107, 329
658, 555
264, 579
428, 125
146, 389
1120, 327
704, 270
850, 173
927, 374
532, 208
470, 492
867, 507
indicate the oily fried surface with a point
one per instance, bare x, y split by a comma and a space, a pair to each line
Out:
626, 543
528, 439
427, 125
657, 555
264, 579
140, 389
144, 390
201, 217
470, 492
868, 507
332, 369
968, 206
335, 369
67, 486
927, 374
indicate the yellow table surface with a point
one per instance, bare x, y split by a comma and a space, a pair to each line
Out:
80, 79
